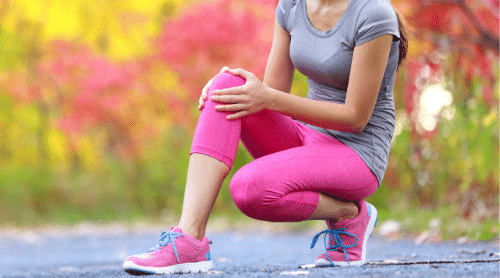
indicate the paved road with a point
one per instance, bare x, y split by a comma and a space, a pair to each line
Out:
248, 254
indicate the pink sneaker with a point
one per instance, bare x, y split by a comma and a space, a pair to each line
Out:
343, 249
176, 252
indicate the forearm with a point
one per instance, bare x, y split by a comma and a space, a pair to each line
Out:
318, 113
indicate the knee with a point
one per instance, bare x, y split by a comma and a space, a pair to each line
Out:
210, 114
252, 196
240, 187
226, 80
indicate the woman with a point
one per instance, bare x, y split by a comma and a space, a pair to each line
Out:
315, 158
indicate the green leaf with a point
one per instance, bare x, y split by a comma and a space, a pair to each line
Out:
10, 51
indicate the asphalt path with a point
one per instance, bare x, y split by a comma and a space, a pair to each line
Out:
241, 254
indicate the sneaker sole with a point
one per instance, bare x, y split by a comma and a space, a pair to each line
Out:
134, 269
372, 211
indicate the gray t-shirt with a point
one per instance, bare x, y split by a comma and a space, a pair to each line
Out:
326, 57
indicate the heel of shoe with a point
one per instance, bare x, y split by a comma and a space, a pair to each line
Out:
373, 213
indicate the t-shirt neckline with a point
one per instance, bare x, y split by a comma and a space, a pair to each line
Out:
328, 32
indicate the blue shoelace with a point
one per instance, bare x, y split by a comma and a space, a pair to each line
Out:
166, 238
335, 234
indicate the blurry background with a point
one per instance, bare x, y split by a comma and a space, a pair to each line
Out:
98, 107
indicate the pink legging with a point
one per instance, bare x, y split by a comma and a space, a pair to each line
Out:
293, 162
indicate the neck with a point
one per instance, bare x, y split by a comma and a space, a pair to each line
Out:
329, 2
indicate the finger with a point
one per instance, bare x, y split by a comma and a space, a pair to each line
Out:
224, 69
204, 96
229, 99
241, 72
229, 91
230, 107
237, 115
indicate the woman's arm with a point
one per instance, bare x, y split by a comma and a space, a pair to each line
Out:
367, 70
279, 69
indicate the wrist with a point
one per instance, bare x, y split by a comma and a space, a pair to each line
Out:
273, 99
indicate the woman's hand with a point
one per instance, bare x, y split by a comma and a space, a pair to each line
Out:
244, 100
204, 92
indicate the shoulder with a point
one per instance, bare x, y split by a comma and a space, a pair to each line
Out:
283, 12
286, 5
375, 10
375, 18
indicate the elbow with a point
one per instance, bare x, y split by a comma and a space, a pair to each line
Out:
360, 125
351, 120
357, 128
357, 124
354, 127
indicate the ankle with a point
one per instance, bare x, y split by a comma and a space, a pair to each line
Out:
194, 233
348, 212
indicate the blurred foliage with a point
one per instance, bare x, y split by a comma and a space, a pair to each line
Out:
119, 29
98, 107
447, 159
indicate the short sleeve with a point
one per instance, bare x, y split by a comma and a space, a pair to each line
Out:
375, 19
282, 12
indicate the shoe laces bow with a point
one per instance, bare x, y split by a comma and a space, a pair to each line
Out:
166, 238
334, 235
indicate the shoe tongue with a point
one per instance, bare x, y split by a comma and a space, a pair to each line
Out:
338, 225
330, 224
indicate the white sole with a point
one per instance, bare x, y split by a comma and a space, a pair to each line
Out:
133, 268
369, 231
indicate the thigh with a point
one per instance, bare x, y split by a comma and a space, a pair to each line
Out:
333, 169
269, 132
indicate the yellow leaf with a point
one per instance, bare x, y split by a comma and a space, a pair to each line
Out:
490, 118
417, 48
62, 20
57, 146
